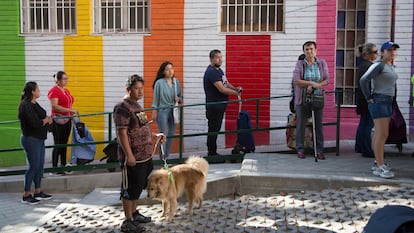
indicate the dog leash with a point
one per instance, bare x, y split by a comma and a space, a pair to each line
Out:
124, 170
164, 159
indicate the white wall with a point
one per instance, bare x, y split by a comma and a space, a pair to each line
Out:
300, 26
201, 35
44, 57
123, 56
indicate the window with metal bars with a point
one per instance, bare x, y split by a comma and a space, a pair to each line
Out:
48, 16
252, 15
350, 30
121, 16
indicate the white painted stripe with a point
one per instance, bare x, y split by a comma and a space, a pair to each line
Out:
44, 57
201, 35
123, 56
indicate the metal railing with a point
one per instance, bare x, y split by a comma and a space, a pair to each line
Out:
180, 135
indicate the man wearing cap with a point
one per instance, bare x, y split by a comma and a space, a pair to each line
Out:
379, 98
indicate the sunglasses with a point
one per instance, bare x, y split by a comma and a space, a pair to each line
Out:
374, 52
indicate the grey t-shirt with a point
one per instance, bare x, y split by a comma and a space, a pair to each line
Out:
382, 78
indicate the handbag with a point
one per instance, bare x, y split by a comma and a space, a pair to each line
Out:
176, 109
312, 100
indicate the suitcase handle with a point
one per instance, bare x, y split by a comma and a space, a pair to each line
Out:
240, 105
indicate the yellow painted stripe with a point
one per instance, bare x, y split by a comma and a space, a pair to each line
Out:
83, 61
84, 17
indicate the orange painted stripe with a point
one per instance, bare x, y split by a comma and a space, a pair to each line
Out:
166, 43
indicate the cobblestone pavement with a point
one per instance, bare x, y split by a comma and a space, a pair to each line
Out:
344, 210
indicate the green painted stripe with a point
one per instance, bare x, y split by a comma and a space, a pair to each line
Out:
12, 79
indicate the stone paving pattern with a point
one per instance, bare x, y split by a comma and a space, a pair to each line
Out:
343, 210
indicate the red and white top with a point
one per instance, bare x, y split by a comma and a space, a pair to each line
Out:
65, 99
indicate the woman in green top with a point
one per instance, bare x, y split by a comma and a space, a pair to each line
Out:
166, 93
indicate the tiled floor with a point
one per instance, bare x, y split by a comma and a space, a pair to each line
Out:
345, 210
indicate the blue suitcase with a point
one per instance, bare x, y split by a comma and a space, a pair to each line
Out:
245, 140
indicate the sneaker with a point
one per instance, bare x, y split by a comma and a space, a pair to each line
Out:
320, 156
386, 166
42, 196
218, 160
128, 226
68, 172
29, 200
381, 172
301, 155
140, 218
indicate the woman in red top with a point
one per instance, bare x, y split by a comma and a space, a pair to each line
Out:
62, 111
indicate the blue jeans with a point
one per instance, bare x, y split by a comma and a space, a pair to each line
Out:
35, 157
382, 106
363, 142
166, 125
302, 114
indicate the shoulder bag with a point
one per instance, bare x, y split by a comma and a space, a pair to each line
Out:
176, 109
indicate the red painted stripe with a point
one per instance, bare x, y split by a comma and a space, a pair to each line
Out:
248, 65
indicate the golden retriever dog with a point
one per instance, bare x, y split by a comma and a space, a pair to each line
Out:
168, 184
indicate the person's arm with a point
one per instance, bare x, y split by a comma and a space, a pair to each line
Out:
57, 108
123, 140
298, 76
155, 101
225, 90
27, 113
365, 80
306, 83
325, 74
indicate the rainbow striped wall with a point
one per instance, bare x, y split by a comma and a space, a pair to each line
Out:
183, 32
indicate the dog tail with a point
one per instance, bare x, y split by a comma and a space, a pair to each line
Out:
198, 163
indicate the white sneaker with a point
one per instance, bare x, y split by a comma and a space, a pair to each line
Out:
382, 172
386, 166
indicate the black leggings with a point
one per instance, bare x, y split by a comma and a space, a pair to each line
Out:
60, 136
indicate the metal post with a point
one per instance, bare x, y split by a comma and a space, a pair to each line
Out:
338, 119
110, 126
181, 134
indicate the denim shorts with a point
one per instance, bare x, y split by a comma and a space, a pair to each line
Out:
382, 106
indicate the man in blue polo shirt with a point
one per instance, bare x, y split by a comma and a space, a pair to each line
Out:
217, 88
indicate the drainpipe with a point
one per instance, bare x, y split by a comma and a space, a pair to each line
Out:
392, 36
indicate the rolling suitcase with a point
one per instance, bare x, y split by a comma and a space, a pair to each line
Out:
82, 154
245, 140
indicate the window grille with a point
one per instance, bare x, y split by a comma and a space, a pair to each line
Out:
252, 15
125, 16
48, 16
350, 30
